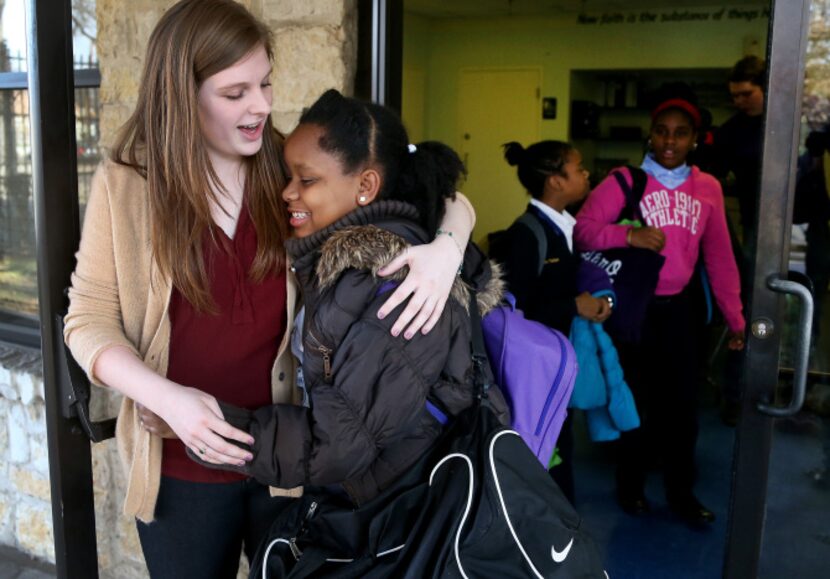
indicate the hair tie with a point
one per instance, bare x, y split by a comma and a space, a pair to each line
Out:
412, 148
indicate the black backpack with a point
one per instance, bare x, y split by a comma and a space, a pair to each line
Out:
499, 241
478, 505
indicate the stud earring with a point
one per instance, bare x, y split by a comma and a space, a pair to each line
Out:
361, 199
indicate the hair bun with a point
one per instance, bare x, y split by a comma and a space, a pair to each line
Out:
514, 153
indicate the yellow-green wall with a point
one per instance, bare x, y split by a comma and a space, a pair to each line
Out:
444, 47
437, 50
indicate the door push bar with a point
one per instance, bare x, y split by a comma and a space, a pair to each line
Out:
75, 391
802, 346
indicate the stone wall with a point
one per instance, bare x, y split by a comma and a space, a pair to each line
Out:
818, 51
817, 74
314, 44
25, 505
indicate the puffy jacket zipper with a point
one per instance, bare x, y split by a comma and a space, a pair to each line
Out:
325, 352
563, 354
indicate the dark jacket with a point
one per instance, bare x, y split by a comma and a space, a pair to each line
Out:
549, 297
368, 420
738, 149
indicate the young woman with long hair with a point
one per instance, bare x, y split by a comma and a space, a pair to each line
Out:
182, 294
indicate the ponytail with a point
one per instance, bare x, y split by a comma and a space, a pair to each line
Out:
429, 176
537, 163
366, 134
514, 153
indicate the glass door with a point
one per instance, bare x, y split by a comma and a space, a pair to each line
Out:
597, 62
781, 496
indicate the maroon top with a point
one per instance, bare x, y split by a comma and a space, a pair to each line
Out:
229, 354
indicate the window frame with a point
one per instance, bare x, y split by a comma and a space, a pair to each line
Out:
19, 330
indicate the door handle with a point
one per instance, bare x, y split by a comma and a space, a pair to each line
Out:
75, 401
802, 346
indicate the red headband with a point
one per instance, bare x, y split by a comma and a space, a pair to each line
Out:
681, 104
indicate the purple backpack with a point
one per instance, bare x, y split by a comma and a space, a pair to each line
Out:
535, 366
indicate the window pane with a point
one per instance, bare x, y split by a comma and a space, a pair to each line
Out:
18, 275
13, 30
13, 35
84, 30
86, 136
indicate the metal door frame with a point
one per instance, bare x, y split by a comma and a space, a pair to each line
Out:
789, 25
786, 50
55, 189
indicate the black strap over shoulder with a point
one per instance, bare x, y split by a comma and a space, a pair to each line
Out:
478, 351
633, 193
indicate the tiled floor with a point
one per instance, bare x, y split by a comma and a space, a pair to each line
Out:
797, 531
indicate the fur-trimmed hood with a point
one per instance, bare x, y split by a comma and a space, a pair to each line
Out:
370, 247
370, 237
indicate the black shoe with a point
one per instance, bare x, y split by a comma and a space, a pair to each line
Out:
692, 512
633, 504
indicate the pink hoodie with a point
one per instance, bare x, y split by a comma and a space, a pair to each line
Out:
692, 216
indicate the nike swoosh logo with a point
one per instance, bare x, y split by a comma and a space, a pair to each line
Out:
560, 556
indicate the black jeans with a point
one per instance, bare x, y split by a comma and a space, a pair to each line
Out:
200, 528
662, 374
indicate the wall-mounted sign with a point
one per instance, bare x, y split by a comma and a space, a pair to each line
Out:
693, 15
549, 108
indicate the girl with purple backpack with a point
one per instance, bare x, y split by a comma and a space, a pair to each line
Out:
683, 217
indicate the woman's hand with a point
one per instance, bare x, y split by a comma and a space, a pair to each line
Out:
151, 422
736, 341
647, 238
195, 417
192, 415
591, 308
432, 270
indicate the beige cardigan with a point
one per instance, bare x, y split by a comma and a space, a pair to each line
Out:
119, 298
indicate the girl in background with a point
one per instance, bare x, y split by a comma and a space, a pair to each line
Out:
182, 296
552, 174
683, 213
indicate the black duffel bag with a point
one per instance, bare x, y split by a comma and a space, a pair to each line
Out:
478, 505
481, 507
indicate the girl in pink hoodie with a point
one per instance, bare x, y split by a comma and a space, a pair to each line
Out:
683, 218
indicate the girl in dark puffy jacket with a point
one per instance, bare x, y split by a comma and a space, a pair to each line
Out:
358, 195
